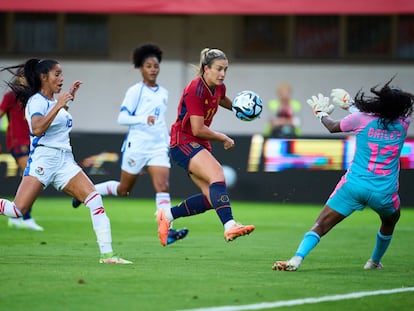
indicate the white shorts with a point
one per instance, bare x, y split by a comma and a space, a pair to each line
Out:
52, 166
133, 162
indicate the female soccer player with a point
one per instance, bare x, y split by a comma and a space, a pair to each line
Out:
190, 147
380, 123
51, 160
146, 144
18, 143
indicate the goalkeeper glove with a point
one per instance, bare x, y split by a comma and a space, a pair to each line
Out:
320, 106
341, 98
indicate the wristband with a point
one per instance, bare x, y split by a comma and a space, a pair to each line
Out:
321, 114
353, 109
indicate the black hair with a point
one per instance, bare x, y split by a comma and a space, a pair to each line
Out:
388, 103
140, 54
32, 70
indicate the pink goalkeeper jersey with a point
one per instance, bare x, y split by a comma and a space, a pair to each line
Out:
375, 165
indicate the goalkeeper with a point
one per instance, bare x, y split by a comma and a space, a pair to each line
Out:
380, 122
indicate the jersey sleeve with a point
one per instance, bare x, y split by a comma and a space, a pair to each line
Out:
223, 91
125, 118
194, 100
406, 122
130, 105
7, 102
36, 106
131, 100
352, 123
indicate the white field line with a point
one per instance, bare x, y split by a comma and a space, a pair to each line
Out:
296, 302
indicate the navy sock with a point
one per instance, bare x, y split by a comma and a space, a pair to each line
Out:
28, 215
196, 204
221, 201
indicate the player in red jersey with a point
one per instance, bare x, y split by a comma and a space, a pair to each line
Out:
190, 147
18, 144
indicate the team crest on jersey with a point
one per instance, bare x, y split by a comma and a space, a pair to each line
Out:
39, 170
195, 145
131, 162
206, 102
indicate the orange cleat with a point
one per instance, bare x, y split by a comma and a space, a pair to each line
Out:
163, 227
236, 231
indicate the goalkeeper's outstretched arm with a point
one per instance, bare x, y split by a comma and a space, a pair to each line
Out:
332, 125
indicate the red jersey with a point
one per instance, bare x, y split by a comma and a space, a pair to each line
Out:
197, 100
18, 129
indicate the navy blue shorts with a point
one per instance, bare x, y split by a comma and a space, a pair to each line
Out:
20, 151
182, 154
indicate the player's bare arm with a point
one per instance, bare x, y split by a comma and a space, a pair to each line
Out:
202, 131
226, 103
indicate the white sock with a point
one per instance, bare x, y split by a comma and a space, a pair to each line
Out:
163, 201
9, 209
100, 222
229, 224
169, 216
108, 188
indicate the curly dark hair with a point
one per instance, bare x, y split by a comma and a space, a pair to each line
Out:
388, 103
140, 54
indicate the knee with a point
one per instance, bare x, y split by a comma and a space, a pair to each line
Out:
123, 189
161, 186
392, 220
216, 177
123, 192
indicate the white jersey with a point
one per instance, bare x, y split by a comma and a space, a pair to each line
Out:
140, 102
57, 135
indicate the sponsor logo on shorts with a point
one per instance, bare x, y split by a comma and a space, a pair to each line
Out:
39, 170
131, 162
195, 145
24, 149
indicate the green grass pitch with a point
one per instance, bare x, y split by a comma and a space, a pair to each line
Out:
58, 269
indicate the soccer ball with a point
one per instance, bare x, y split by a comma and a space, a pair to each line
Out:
247, 106
230, 176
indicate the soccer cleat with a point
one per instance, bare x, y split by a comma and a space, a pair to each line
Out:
31, 225
163, 226
14, 223
371, 265
110, 258
237, 230
175, 235
76, 203
20, 223
291, 265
